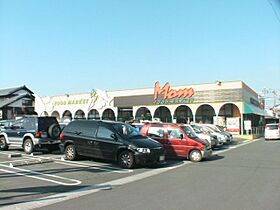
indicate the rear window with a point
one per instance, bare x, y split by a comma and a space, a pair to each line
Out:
272, 127
45, 122
156, 132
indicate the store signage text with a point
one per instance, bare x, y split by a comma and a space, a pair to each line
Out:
172, 93
255, 102
71, 102
173, 101
172, 96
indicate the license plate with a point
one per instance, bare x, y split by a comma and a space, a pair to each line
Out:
162, 158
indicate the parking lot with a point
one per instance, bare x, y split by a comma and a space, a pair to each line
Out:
25, 178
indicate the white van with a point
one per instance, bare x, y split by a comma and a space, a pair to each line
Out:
272, 131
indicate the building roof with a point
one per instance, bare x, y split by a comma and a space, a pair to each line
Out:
9, 91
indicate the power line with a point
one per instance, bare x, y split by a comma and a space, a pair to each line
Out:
274, 10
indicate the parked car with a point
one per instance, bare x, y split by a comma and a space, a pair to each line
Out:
178, 141
30, 133
205, 135
217, 128
272, 131
221, 138
109, 140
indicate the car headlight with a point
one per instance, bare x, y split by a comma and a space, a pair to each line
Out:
143, 150
221, 138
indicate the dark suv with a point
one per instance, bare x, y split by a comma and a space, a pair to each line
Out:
31, 132
109, 140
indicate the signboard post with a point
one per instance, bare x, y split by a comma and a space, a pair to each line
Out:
248, 126
233, 125
219, 121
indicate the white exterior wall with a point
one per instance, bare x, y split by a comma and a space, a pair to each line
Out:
105, 100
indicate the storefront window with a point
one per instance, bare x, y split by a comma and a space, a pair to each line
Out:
93, 115
205, 114
79, 115
108, 114
143, 113
66, 116
183, 114
125, 114
163, 113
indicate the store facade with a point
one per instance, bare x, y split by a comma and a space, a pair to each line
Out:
229, 104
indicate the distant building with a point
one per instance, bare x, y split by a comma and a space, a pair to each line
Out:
15, 102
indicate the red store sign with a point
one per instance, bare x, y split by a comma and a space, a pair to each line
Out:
169, 93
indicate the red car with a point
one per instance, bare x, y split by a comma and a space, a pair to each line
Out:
178, 140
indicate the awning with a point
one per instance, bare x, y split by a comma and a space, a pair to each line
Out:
251, 109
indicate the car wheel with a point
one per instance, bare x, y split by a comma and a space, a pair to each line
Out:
54, 131
195, 156
126, 159
28, 146
70, 152
3, 144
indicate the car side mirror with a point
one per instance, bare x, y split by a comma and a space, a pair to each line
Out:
181, 136
114, 136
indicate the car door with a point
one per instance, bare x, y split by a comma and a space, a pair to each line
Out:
176, 144
82, 133
15, 133
106, 143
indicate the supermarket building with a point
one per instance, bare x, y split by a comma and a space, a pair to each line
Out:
231, 104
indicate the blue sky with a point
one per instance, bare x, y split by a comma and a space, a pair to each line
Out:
66, 46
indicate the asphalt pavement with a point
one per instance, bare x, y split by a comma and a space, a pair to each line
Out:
242, 178
244, 175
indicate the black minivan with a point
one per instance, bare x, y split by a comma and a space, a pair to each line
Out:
109, 140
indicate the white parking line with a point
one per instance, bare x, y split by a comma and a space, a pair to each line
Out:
58, 160
88, 190
20, 160
83, 165
73, 182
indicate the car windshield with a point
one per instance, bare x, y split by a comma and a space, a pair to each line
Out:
207, 129
221, 129
272, 127
197, 129
214, 128
126, 131
189, 132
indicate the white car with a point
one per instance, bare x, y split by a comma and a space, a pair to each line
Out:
272, 131
199, 133
221, 138
219, 129
216, 139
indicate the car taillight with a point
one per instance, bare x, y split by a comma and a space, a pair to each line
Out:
38, 134
61, 136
